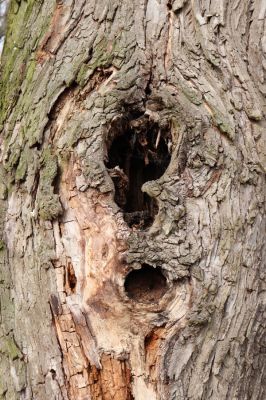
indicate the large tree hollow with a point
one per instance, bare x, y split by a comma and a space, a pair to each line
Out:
146, 285
137, 154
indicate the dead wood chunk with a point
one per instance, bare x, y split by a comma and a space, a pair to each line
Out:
55, 305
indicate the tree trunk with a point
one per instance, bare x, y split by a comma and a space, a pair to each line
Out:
132, 200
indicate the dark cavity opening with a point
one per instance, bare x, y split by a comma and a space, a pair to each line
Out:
138, 151
146, 285
71, 280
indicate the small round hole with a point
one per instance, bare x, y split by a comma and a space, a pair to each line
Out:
53, 373
146, 285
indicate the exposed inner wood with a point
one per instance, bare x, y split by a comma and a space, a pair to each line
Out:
112, 381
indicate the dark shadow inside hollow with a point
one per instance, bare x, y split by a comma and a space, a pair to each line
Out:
139, 152
71, 280
146, 285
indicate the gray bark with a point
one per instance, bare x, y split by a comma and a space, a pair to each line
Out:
3, 13
183, 80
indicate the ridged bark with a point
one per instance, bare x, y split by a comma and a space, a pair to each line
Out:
84, 85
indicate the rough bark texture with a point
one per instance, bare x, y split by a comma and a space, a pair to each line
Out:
97, 99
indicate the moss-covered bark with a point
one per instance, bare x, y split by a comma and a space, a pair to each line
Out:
180, 78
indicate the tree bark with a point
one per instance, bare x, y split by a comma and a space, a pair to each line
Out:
132, 200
